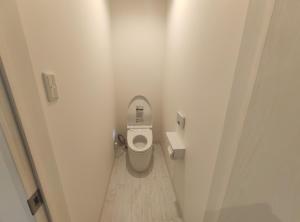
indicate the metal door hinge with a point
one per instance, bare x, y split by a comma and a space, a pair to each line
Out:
35, 202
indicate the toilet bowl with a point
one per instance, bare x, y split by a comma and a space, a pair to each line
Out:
139, 133
139, 148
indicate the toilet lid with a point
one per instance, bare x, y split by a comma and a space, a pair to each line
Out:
139, 112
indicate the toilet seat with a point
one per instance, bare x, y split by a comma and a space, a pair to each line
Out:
143, 137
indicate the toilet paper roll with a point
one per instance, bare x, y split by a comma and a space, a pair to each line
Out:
171, 152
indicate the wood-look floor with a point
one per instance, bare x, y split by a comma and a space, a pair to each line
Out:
140, 198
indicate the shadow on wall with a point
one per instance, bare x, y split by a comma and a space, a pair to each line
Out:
260, 212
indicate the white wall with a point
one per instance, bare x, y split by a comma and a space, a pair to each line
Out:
71, 39
138, 33
203, 41
265, 182
18, 67
255, 32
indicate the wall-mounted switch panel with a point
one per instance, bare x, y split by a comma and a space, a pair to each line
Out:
50, 86
180, 120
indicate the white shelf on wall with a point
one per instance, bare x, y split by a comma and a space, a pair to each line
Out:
176, 146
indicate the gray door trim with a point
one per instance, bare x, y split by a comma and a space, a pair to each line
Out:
18, 186
15, 113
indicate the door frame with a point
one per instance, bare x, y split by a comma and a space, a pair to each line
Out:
15, 179
19, 125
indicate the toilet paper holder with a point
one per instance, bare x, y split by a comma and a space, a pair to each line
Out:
176, 147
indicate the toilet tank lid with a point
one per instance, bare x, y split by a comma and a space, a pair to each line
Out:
139, 113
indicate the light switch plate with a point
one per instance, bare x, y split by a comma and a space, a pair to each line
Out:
180, 120
50, 86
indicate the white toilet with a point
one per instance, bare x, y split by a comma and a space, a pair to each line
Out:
139, 133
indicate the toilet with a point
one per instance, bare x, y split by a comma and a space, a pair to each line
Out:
139, 133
